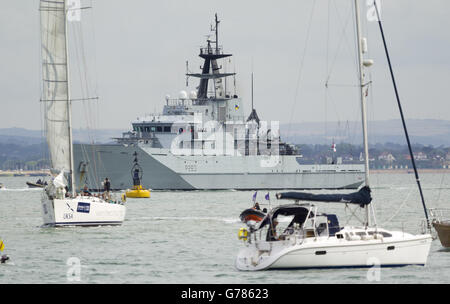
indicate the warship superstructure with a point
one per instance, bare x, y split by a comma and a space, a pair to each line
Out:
203, 140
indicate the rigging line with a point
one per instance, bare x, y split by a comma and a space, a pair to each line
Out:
88, 108
440, 188
341, 39
301, 66
353, 214
84, 85
398, 210
356, 49
85, 80
402, 116
327, 66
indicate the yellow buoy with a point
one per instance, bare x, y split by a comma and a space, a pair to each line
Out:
138, 192
243, 234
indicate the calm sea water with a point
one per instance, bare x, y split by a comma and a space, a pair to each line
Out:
191, 237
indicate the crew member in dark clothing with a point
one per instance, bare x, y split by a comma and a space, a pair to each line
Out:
107, 185
107, 188
136, 179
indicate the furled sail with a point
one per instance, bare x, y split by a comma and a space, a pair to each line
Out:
55, 87
362, 197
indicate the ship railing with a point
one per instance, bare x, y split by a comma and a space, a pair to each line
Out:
211, 50
439, 214
189, 101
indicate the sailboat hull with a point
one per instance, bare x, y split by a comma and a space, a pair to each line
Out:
443, 230
81, 211
401, 250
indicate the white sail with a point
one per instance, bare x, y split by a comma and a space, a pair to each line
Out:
55, 87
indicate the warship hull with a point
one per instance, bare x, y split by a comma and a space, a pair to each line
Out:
166, 171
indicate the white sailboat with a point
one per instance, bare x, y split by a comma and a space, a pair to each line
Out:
61, 205
316, 240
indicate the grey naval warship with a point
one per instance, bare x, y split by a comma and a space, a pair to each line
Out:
203, 141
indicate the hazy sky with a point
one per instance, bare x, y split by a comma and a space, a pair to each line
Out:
136, 52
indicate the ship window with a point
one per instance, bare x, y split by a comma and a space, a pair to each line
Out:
166, 129
147, 129
152, 129
158, 129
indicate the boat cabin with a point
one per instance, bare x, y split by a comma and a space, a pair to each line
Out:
302, 219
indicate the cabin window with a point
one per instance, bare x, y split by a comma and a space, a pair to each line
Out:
339, 236
152, 129
166, 129
158, 129
147, 129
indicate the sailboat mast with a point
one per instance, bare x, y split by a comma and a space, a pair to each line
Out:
252, 93
363, 102
217, 34
69, 103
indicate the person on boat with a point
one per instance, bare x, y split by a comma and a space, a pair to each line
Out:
265, 210
39, 182
86, 191
256, 206
107, 185
106, 188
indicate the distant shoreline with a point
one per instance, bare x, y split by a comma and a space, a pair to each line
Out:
408, 171
374, 171
24, 173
